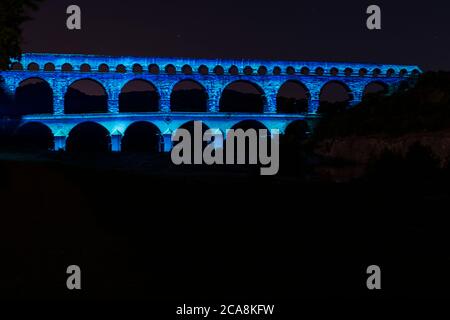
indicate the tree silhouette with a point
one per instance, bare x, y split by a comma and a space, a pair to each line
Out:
421, 162
418, 165
12, 15
424, 107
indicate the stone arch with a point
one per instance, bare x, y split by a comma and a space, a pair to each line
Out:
293, 97
66, 67
103, 68
390, 72
34, 135
252, 143
262, 70
233, 70
137, 68
375, 88
319, 71
189, 126
334, 71
189, 95
250, 124
88, 137
334, 96
17, 66
219, 70
348, 72
203, 70
34, 96
403, 73
376, 72
121, 68
276, 71
297, 130
85, 95
305, 71
242, 96
33, 66
170, 69
85, 67
248, 71
290, 70
153, 69
49, 67
186, 69
362, 72
142, 137
139, 95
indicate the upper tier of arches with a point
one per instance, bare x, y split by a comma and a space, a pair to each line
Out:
140, 65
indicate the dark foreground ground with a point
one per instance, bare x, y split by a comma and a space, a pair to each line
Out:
210, 237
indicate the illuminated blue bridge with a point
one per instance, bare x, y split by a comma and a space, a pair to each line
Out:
61, 71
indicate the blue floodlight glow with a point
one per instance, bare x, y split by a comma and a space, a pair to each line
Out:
355, 77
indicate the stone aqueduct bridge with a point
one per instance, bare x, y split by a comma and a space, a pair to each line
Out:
113, 73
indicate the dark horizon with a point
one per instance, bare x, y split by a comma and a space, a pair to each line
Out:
415, 34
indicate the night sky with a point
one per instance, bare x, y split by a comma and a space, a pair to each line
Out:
284, 29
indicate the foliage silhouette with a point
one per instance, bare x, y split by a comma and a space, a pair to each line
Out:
418, 165
332, 108
293, 150
12, 15
425, 107
292, 105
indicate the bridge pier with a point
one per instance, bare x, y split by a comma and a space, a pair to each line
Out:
218, 139
354, 103
116, 141
60, 140
11, 84
213, 105
113, 106
313, 106
213, 98
167, 141
58, 105
165, 91
164, 105
270, 101
59, 90
357, 98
